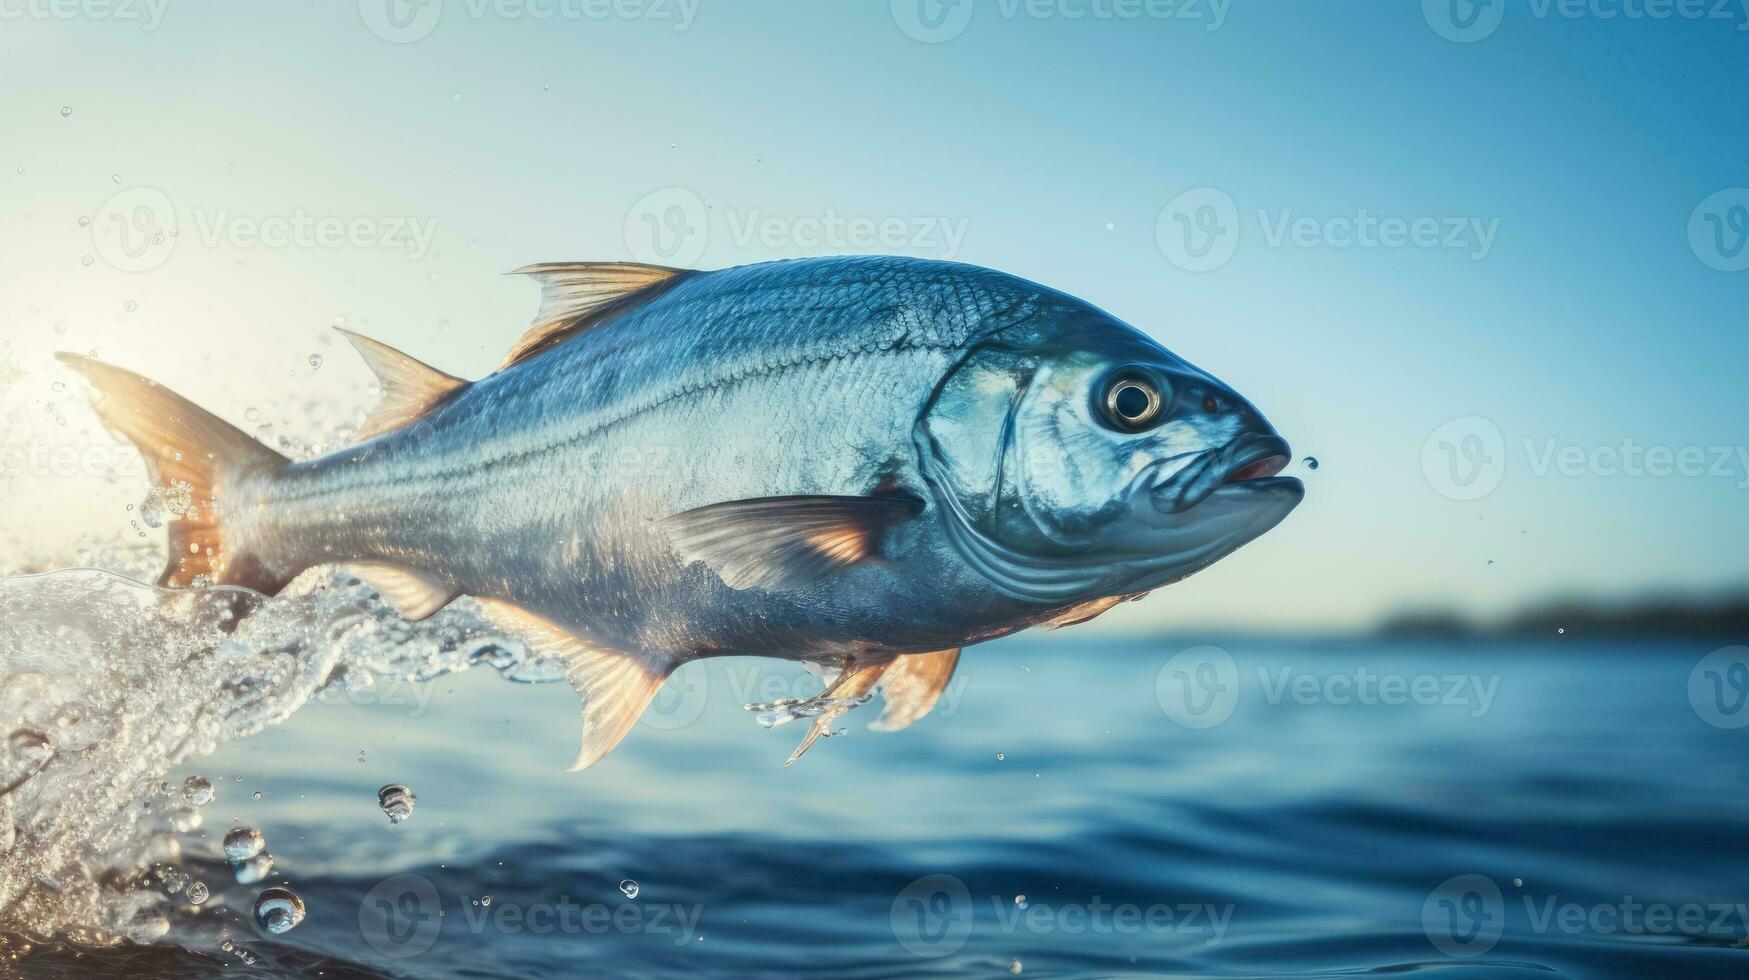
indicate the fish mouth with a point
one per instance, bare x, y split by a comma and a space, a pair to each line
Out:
1248, 464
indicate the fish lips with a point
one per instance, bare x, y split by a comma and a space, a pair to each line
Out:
1245, 466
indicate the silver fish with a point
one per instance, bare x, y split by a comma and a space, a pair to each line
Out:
861, 463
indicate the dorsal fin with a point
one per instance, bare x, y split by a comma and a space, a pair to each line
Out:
572, 293
410, 387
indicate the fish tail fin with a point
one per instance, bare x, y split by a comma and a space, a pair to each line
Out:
187, 450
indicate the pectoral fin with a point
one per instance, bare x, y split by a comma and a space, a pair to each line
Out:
415, 594
779, 542
912, 685
615, 686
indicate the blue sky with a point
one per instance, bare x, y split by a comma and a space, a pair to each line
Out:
1560, 160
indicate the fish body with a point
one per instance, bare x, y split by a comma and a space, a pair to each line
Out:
861, 462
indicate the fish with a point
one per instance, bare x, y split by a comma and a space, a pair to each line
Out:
862, 463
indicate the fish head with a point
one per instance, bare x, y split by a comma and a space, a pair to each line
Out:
1083, 460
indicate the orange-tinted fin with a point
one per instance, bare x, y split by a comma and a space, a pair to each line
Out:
912, 685
576, 295
778, 542
415, 594
193, 455
410, 387
851, 688
615, 686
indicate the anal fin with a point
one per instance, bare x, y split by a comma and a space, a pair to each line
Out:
415, 594
615, 686
912, 685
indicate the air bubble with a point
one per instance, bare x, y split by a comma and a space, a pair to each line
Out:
1311, 462
629, 888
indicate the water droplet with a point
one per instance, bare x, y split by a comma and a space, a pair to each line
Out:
1020, 901
184, 819
84, 221
485, 901
1518, 882
66, 111
87, 261
1000, 756
115, 178
253, 870
1311, 462
315, 362
243, 843
396, 801
197, 893
278, 910
175, 881
629, 888
257, 794
1560, 629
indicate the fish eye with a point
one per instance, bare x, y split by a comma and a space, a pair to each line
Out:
1132, 400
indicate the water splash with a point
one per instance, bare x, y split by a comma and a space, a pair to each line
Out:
106, 684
